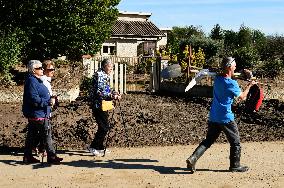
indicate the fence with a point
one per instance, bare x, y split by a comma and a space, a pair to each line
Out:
124, 78
117, 79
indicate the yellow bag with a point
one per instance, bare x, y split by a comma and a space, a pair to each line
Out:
107, 105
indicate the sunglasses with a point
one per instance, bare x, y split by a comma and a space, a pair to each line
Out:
50, 69
38, 68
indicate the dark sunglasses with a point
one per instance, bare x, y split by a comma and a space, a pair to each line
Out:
50, 69
38, 68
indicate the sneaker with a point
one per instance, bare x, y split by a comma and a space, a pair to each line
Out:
35, 151
102, 151
94, 151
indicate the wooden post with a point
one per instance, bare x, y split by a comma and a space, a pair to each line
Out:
158, 72
189, 62
116, 76
121, 78
124, 79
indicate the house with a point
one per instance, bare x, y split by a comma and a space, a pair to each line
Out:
133, 34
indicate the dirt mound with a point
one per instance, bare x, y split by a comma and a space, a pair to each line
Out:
149, 120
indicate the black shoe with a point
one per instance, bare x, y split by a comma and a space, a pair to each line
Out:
54, 160
30, 160
235, 156
191, 161
239, 169
190, 165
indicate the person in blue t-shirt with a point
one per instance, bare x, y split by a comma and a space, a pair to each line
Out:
221, 117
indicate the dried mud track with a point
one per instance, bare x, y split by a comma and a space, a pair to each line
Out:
149, 167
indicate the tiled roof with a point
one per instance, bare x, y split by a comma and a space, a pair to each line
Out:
135, 28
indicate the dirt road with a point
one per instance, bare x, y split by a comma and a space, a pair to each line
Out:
149, 167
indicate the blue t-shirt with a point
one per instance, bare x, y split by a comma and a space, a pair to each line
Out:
224, 91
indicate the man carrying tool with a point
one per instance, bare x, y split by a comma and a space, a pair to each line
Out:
221, 117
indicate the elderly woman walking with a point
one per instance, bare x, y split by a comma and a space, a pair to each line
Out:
100, 92
36, 108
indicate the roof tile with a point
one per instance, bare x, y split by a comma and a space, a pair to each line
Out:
135, 28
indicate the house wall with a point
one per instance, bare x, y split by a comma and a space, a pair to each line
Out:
133, 16
130, 46
126, 48
164, 40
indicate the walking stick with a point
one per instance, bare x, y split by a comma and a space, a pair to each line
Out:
124, 126
107, 138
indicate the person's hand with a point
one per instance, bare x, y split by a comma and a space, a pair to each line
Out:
52, 101
117, 97
252, 83
247, 74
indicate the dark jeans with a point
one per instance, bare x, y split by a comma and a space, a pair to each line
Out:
230, 129
39, 131
103, 128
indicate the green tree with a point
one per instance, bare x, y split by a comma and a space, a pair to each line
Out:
273, 48
11, 43
182, 33
209, 46
217, 33
245, 37
230, 41
69, 27
246, 57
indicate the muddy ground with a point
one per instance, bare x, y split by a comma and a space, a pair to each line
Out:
140, 119
149, 120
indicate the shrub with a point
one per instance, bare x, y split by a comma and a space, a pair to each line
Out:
85, 85
11, 44
245, 57
270, 68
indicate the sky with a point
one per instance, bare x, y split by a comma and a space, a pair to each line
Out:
266, 16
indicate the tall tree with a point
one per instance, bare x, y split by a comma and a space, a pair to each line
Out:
217, 33
230, 41
69, 27
182, 33
245, 37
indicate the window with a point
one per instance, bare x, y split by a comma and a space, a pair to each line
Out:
105, 49
110, 50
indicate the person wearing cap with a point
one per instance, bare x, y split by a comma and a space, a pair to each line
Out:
36, 108
100, 91
221, 117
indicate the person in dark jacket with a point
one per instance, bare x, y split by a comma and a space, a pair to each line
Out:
100, 91
36, 108
221, 117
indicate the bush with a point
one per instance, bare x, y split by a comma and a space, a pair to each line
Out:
270, 68
246, 57
10, 51
85, 85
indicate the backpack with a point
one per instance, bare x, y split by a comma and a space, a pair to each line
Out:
254, 98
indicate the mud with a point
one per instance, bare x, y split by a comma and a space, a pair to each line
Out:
144, 120
140, 119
